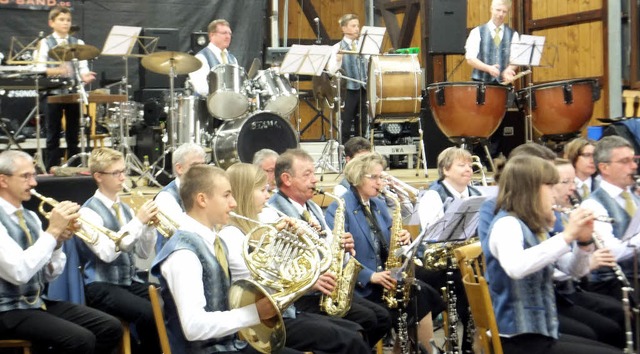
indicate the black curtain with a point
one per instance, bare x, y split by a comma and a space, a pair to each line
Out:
96, 17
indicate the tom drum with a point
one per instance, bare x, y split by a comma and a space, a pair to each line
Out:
276, 94
227, 92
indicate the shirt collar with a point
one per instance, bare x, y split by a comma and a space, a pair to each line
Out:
192, 225
8, 207
493, 27
613, 191
58, 37
105, 200
454, 192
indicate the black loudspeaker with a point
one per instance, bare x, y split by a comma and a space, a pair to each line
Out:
168, 40
434, 140
76, 189
199, 40
509, 134
447, 26
149, 143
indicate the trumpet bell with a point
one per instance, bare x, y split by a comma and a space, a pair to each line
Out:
268, 336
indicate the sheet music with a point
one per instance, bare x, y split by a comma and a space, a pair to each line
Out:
121, 40
306, 59
528, 51
459, 222
371, 43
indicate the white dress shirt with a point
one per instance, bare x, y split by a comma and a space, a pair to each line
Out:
141, 236
506, 244
42, 54
334, 64
233, 237
431, 207
620, 249
472, 46
18, 266
169, 205
182, 271
199, 78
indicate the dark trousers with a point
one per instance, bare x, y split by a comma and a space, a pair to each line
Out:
250, 350
324, 335
354, 114
593, 316
53, 114
374, 319
130, 303
64, 327
538, 344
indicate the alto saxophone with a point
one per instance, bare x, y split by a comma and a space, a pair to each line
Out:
339, 302
394, 261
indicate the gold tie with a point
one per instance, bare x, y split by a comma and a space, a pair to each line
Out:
585, 191
223, 55
306, 216
496, 38
23, 226
629, 205
354, 46
222, 258
116, 208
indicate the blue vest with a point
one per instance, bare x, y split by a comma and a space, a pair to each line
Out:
354, 67
122, 271
487, 214
172, 189
619, 227
28, 295
490, 54
444, 193
526, 305
216, 290
213, 61
52, 42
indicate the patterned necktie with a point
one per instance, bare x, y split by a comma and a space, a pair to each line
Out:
354, 46
223, 55
23, 225
306, 216
629, 205
116, 208
222, 258
496, 38
585, 191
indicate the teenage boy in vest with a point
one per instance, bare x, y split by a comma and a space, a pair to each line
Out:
31, 257
111, 278
60, 22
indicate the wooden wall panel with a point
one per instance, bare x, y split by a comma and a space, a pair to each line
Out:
552, 8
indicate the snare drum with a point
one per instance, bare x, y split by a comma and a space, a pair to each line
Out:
561, 107
467, 109
238, 140
227, 92
276, 94
126, 113
194, 124
395, 86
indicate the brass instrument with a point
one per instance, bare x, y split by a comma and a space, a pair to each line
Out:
82, 233
164, 224
394, 260
284, 264
339, 302
401, 188
475, 162
436, 254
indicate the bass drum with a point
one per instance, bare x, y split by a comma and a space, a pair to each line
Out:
238, 140
395, 86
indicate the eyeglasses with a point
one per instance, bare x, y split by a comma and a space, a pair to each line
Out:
225, 32
27, 176
625, 161
373, 177
113, 174
587, 155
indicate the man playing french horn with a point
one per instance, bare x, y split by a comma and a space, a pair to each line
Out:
110, 277
30, 257
296, 182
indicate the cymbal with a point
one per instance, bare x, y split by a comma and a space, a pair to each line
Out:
161, 63
69, 52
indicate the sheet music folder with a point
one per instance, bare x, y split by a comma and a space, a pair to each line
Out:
459, 222
122, 39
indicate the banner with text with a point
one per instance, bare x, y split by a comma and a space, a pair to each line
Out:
34, 4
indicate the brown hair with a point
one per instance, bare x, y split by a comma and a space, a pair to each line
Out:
355, 145
213, 26
284, 163
344, 19
519, 189
448, 156
527, 149
575, 147
199, 179
360, 165
244, 179
56, 11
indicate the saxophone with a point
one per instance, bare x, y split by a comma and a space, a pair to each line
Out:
394, 261
339, 302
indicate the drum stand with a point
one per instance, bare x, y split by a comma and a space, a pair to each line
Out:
83, 102
325, 162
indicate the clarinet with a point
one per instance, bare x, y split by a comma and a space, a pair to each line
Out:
449, 295
403, 326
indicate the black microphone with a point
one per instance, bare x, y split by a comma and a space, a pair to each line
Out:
317, 21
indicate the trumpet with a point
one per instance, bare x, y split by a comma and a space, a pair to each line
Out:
401, 188
89, 237
476, 162
164, 224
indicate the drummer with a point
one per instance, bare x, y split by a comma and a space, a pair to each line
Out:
488, 46
60, 22
213, 54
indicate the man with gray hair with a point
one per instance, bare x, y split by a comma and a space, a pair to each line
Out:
488, 46
266, 160
168, 199
615, 160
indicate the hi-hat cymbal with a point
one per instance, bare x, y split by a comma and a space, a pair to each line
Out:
161, 63
69, 52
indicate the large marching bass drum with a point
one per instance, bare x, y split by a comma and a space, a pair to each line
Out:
238, 140
395, 86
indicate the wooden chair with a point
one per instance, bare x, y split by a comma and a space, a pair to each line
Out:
125, 343
630, 97
471, 263
154, 295
16, 343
